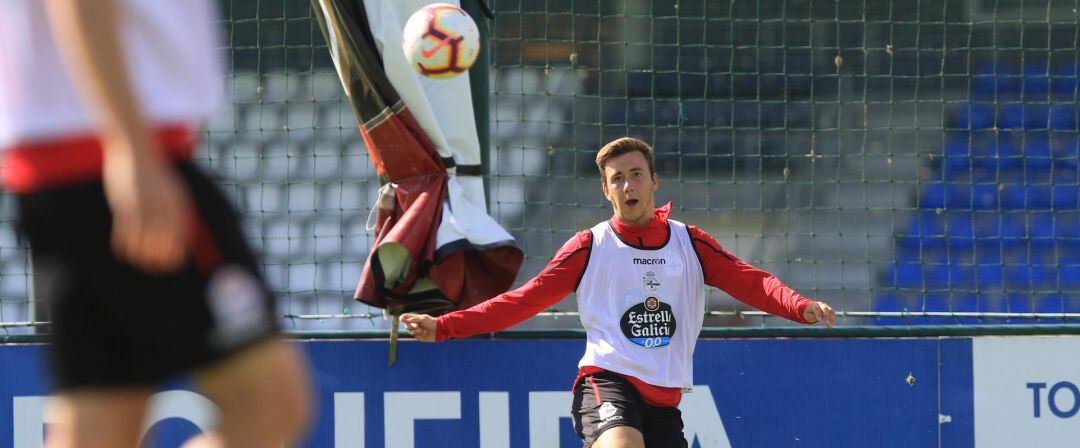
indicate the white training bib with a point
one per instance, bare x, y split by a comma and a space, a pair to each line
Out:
642, 309
173, 55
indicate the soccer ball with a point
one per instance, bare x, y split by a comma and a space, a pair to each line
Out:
440, 41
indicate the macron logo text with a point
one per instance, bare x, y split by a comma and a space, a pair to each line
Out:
650, 261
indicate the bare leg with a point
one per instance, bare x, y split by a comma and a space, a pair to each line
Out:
620, 437
264, 397
96, 418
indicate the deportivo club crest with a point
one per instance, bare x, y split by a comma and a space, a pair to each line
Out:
649, 283
650, 323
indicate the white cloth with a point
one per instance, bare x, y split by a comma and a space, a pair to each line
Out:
174, 58
642, 309
442, 107
444, 110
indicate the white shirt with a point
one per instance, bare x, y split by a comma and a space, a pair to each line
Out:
173, 54
642, 309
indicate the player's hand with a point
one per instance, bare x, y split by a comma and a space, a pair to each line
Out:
149, 206
820, 311
421, 326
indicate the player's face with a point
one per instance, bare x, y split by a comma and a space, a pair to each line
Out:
629, 187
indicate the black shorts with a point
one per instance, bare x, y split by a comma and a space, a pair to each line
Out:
113, 325
606, 400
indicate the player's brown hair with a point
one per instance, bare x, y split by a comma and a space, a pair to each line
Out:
620, 146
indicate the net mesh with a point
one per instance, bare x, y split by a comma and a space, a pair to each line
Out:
910, 162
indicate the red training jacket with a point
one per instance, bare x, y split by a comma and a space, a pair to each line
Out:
562, 274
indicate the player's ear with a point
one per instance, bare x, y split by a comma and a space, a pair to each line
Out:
655, 182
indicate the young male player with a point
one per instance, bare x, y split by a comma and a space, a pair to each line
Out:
140, 257
640, 281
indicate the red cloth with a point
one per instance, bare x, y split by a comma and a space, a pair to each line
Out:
403, 154
560, 277
409, 221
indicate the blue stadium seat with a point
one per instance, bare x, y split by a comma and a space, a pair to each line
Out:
906, 275
1071, 303
990, 303
746, 115
999, 153
1040, 197
773, 115
1036, 116
1068, 252
932, 195
989, 276
640, 112
1063, 83
614, 111
1067, 227
974, 116
718, 113
997, 81
966, 303
959, 227
612, 84
1020, 303
799, 85
1065, 147
693, 113
936, 275
666, 84
934, 303
1065, 197
1040, 228
925, 231
1014, 197
718, 85
950, 168
954, 196
888, 303
691, 85
1036, 82
639, 84
745, 84
984, 197
1037, 155
990, 252
957, 155
1013, 231
667, 113
994, 232
1062, 117
1024, 277
910, 253
1049, 303
961, 276
1070, 277
1012, 117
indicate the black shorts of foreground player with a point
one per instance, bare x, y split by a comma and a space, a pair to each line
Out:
118, 331
640, 279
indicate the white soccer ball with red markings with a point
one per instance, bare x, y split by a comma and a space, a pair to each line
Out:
441, 41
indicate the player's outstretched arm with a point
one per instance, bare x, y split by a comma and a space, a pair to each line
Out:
820, 311
146, 198
421, 326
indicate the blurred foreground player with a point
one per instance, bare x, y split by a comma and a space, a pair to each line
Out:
640, 280
138, 254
